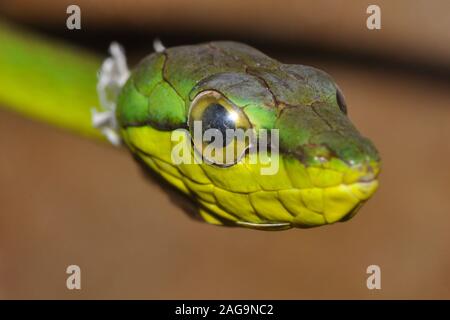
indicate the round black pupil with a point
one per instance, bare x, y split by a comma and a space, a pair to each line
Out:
341, 101
218, 118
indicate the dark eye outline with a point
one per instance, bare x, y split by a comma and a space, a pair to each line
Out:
341, 100
201, 101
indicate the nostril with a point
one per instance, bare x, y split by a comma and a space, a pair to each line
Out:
368, 172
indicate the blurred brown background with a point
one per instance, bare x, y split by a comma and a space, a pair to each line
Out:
65, 200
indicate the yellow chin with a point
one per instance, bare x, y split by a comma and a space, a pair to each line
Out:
293, 196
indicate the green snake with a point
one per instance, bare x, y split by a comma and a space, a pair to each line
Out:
326, 170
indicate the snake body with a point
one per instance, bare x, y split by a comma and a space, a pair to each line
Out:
327, 170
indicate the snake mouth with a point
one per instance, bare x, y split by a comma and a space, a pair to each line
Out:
318, 195
318, 206
334, 204
336, 193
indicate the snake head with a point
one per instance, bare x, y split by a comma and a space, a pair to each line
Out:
324, 168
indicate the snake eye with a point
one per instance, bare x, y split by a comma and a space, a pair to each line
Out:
341, 101
220, 131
